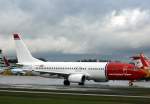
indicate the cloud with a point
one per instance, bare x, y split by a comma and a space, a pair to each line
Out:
128, 19
76, 26
6, 44
61, 44
130, 26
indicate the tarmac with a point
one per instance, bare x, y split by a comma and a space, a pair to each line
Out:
36, 84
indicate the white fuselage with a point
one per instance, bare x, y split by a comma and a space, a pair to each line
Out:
93, 70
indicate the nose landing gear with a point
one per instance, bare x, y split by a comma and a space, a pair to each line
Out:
131, 83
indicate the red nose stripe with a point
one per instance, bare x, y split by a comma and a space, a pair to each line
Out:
16, 37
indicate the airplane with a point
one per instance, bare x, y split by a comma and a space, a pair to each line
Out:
1, 70
15, 70
142, 62
77, 72
20, 70
3, 65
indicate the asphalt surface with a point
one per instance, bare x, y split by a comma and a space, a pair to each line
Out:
36, 81
35, 84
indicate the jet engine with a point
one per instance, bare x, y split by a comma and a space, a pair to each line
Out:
76, 78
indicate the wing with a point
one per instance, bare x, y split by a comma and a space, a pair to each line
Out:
52, 73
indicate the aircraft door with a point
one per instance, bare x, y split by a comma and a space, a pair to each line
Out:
125, 72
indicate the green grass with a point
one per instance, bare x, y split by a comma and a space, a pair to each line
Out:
26, 98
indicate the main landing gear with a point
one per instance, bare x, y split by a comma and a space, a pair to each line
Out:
66, 82
81, 83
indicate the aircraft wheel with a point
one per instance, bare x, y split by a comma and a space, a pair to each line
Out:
130, 83
81, 83
66, 83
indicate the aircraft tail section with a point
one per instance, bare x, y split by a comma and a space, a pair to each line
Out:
23, 54
6, 61
144, 60
141, 61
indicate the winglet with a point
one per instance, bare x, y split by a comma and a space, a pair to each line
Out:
16, 37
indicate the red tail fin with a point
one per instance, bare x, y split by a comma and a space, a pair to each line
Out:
141, 61
6, 61
16, 37
144, 60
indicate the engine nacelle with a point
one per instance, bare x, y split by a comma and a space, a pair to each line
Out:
76, 78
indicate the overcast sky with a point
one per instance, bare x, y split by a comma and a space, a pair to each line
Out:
76, 26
